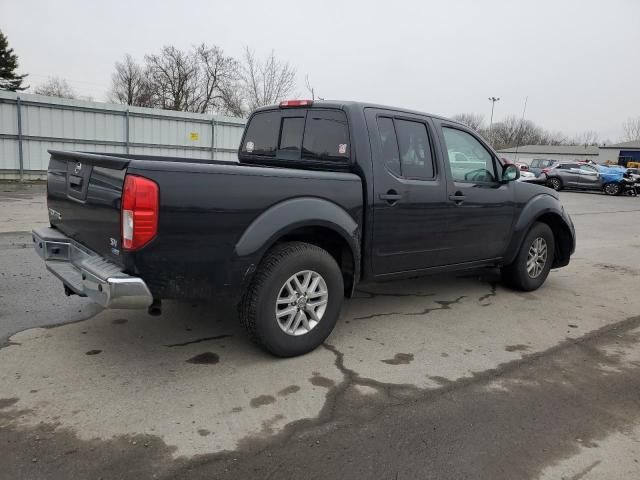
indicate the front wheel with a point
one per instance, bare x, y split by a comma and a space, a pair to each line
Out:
294, 299
612, 189
531, 266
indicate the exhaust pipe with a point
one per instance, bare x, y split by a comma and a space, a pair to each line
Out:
155, 309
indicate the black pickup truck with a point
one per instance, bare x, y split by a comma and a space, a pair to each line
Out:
324, 195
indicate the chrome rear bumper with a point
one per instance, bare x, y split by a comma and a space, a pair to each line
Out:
87, 273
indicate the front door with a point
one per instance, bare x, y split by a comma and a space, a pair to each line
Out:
410, 214
483, 205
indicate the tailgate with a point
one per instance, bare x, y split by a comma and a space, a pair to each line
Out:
83, 199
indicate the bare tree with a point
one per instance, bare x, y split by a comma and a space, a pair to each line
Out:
129, 84
553, 138
514, 131
267, 81
631, 128
233, 102
474, 121
56, 87
173, 78
217, 80
201, 80
587, 138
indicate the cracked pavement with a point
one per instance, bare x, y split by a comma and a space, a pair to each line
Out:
437, 377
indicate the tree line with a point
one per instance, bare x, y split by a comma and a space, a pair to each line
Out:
203, 79
514, 131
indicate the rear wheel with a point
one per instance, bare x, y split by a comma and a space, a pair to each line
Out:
531, 266
554, 183
294, 299
612, 189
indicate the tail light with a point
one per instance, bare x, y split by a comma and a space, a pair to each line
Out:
545, 170
139, 216
296, 103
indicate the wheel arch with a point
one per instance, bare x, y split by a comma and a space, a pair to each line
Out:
562, 236
308, 219
545, 209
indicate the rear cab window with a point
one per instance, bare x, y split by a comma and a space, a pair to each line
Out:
309, 137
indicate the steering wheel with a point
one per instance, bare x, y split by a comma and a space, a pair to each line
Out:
479, 175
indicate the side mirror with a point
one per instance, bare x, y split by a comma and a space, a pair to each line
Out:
510, 173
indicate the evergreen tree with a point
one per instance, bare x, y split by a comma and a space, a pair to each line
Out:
9, 79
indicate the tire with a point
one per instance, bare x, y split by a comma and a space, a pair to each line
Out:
517, 274
612, 189
555, 183
274, 281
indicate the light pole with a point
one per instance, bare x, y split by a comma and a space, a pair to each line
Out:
493, 101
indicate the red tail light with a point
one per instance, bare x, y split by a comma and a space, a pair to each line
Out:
139, 216
545, 170
296, 103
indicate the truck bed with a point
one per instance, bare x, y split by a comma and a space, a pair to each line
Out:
206, 206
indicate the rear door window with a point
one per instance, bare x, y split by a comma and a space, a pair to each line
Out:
326, 136
389, 144
415, 151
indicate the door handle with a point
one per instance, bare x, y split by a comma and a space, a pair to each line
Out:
457, 197
391, 197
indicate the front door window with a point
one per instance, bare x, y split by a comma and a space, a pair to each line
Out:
469, 160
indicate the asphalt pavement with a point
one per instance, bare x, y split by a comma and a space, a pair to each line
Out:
438, 377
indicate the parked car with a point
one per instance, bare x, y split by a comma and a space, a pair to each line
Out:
325, 195
524, 167
612, 179
572, 175
526, 176
586, 176
538, 164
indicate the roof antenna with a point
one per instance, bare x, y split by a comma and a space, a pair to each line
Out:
521, 122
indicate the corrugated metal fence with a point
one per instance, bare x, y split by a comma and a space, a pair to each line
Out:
32, 124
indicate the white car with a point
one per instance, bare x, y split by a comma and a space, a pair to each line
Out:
526, 176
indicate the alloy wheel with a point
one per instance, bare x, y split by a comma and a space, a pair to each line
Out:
537, 257
301, 302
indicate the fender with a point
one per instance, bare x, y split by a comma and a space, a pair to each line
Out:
294, 213
535, 208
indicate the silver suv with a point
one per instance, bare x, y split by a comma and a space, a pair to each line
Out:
538, 164
572, 175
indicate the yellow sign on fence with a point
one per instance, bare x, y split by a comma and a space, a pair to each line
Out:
195, 136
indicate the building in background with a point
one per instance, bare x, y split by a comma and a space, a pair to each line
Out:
526, 153
620, 153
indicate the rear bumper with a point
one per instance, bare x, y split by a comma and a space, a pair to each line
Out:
87, 273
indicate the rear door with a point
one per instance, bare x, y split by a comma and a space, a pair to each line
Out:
588, 177
410, 214
483, 207
569, 174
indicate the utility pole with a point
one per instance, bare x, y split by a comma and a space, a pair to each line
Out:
493, 101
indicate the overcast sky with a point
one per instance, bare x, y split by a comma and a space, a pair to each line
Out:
577, 61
